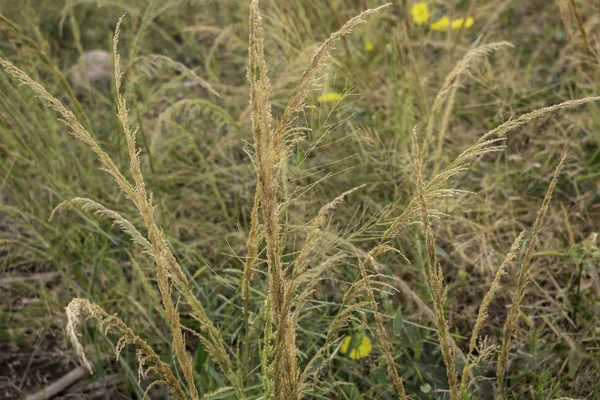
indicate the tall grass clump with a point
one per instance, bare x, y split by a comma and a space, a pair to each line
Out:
266, 353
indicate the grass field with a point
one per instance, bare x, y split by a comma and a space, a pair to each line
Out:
300, 199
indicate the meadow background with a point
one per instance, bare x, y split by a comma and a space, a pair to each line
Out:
195, 134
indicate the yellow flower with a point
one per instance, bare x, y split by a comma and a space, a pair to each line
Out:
420, 12
368, 45
441, 24
330, 97
457, 23
362, 346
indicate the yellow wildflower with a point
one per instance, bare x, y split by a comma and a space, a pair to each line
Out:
368, 45
441, 24
457, 23
420, 12
362, 346
330, 97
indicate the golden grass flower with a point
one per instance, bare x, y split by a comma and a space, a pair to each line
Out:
458, 23
420, 12
330, 97
441, 24
361, 346
368, 45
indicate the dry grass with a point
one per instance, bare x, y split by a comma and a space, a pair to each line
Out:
338, 268
145, 353
522, 281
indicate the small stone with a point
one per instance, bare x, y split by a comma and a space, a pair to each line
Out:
93, 68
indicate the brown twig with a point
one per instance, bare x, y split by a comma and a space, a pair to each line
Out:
61, 384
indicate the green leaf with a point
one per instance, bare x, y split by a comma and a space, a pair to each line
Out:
398, 321
200, 357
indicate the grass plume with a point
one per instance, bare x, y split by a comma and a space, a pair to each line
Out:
483, 308
145, 353
523, 279
435, 276
447, 93
381, 331
271, 148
